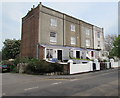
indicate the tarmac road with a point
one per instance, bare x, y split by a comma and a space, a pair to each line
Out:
100, 83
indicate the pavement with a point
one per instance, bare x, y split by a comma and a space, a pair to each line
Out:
99, 83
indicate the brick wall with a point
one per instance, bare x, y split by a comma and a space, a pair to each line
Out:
30, 25
41, 52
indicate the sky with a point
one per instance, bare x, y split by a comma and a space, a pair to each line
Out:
101, 14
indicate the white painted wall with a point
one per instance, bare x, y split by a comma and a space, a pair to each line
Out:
54, 53
74, 53
116, 64
65, 54
96, 39
79, 68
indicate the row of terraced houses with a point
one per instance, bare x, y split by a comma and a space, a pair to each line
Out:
49, 34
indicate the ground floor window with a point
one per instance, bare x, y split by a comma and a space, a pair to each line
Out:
49, 53
71, 54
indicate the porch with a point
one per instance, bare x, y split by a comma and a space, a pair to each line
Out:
64, 53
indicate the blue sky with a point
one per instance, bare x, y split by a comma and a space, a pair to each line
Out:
102, 14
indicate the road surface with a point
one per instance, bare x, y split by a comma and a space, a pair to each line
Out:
99, 83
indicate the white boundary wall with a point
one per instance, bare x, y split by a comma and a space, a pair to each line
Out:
114, 64
79, 68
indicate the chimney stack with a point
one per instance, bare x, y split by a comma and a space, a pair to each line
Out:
33, 6
40, 3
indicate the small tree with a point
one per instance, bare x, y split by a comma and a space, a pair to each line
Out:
109, 40
116, 50
10, 49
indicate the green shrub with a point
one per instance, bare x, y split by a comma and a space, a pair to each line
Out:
41, 66
56, 67
21, 60
14, 69
36, 66
7, 62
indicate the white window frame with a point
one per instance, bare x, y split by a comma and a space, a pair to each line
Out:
49, 53
88, 43
53, 22
98, 43
87, 31
98, 34
73, 40
72, 27
52, 38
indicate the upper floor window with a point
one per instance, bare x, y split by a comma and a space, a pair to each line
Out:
53, 22
87, 32
87, 43
98, 34
73, 27
53, 37
73, 40
98, 43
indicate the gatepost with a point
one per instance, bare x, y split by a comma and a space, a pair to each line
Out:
91, 65
108, 65
70, 63
112, 62
97, 64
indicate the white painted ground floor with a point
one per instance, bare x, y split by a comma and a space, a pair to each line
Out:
62, 53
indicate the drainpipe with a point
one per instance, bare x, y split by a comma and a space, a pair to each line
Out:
93, 36
37, 53
63, 30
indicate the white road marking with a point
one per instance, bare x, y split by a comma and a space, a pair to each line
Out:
30, 88
56, 83
74, 80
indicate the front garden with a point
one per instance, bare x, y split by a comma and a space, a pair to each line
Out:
33, 66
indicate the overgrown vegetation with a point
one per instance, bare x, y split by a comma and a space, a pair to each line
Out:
34, 66
116, 48
11, 49
41, 66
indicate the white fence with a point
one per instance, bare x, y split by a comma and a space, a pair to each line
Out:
90, 66
115, 64
79, 68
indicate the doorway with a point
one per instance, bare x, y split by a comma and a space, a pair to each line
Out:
94, 66
77, 54
59, 55
92, 54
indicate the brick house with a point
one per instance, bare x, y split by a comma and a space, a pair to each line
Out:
50, 34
